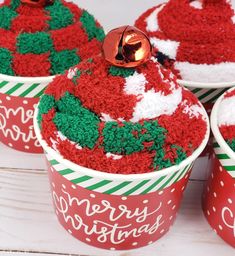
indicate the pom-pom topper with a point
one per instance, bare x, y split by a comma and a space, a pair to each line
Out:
126, 47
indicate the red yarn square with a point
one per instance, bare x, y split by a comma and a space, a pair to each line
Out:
29, 24
7, 40
69, 38
31, 64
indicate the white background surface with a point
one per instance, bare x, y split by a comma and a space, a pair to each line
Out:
27, 221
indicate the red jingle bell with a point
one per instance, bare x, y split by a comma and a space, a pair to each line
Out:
127, 47
37, 3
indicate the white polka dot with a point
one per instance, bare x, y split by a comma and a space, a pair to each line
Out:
0, 102
208, 212
214, 194
186, 176
171, 218
69, 231
145, 201
230, 200
212, 175
53, 184
26, 147
220, 227
112, 249
150, 242
220, 168
183, 188
10, 145
160, 192
73, 186
215, 231
25, 101
214, 209
208, 189
173, 190
63, 186
221, 183
92, 195
162, 231
169, 202
124, 198
134, 244
8, 98
174, 206
88, 239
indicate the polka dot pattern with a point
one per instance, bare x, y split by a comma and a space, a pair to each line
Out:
218, 205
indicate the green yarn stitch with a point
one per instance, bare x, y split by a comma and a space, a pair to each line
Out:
15, 4
231, 143
89, 24
63, 60
5, 62
61, 16
123, 72
47, 102
76, 122
7, 15
36, 43
129, 138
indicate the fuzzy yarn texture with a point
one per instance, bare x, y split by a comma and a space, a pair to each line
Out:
226, 118
195, 38
44, 41
120, 120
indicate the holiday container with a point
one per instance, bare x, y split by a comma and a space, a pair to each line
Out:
116, 211
219, 193
18, 97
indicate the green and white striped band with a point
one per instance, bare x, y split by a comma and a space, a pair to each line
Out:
30, 90
208, 95
225, 160
125, 188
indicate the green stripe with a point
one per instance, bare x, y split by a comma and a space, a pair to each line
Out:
229, 168
168, 181
99, 184
40, 93
222, 156
196, 90
30, 89
216, 145
118, 187
16, 87
132, 190
81, 179
218, 95
54, 162
65, 172
2, 84
206, 94
153, 185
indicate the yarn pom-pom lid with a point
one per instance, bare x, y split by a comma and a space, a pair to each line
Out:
223, 121
107, 116
41, 38
196, 39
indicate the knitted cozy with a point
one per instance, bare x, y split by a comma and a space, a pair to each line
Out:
226, 118
44, 41
121, 120
195, 38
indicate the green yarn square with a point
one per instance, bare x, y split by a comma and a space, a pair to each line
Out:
61, 16
119, 71
15, 4
92, 30
5, 62
7, 15
63, 60
36, 43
